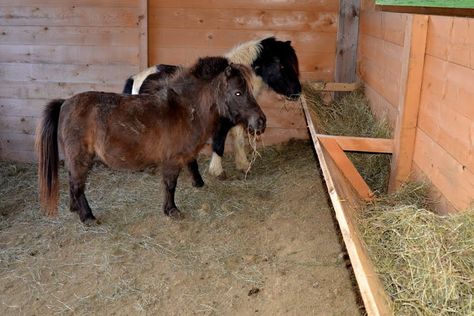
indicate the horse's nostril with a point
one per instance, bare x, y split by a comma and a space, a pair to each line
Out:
261, 123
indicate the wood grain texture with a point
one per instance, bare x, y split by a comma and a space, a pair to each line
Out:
55, 49
453, 179
410, 90
347, 39
346, 204
362, 144
346, 167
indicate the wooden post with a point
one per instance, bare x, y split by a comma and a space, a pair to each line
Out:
347, 38
410, 90
143, 34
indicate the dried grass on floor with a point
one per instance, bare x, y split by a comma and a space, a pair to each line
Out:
237, 235
426, 261
351, 116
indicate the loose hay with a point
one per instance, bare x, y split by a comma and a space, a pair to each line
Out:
425, 261
237, 235
351, 116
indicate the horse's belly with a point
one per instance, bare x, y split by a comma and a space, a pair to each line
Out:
128, 157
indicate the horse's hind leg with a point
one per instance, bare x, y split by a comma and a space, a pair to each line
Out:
78, 169
193, 168
170, 179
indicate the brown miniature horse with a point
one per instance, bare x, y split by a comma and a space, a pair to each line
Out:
133, 132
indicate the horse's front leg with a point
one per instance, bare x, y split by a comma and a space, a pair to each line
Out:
241, 161
218, 145
193, 168
170, 174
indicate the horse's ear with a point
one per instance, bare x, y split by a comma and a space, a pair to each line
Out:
228, 71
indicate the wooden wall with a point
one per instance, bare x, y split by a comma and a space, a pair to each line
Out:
181, 31
54, 49
444, 142
444, 146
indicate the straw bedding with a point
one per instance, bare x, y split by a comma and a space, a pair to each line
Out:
425, 261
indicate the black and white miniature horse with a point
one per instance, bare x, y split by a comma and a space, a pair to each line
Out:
274, 63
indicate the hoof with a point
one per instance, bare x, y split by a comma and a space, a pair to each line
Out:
89, 220
242, 165
175, 214
198, 183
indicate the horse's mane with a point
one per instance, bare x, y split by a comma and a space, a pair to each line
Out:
209, 67
245, 53
159, 81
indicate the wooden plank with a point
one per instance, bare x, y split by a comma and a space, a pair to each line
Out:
77, 3
410, 89
382, 109
21, 107
239, 19
67, 15
66, 73
304, 41
347, 38
143, 34
73, 55
453, 179
335, 86
347, 167
18, 155
48, 90
18, 124
16, 142
69, 35
362, 144
346, 205
320, 5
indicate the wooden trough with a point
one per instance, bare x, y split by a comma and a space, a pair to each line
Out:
347, 190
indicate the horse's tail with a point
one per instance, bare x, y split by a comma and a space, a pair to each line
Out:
127, 89
48, 157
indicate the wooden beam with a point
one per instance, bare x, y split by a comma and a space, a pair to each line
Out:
410, 90
347, 167
346, 205
362, 144
335, 86
347, 38
143, 34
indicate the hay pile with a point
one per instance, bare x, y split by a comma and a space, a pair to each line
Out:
351, 116
425, 261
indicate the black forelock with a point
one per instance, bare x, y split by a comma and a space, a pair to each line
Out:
209, 67
271, 48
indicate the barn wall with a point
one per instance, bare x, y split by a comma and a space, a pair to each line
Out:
444, 142
444, 146
54, 49
181, 31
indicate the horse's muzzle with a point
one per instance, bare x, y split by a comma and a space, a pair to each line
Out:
257, 124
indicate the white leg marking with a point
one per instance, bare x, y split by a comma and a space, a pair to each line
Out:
215, 167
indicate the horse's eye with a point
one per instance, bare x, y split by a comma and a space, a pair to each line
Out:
282, 67
238, 93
